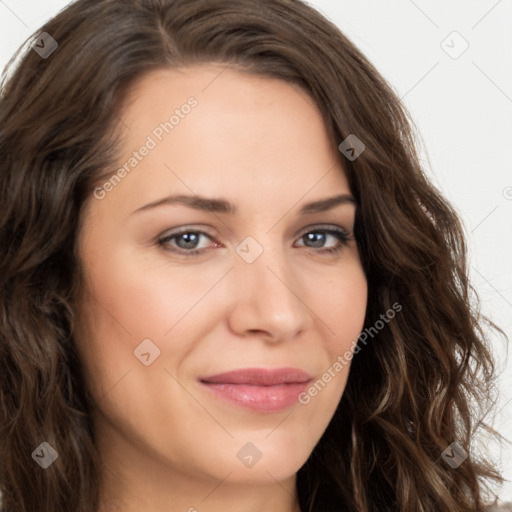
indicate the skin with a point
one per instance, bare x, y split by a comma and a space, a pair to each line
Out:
167, 444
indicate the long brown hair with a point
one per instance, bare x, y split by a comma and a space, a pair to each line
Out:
422, 383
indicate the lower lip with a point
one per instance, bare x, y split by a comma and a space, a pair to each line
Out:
259, 398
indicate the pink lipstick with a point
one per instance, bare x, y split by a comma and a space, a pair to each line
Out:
259, 389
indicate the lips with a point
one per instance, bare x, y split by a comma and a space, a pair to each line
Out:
259, 389
260, 377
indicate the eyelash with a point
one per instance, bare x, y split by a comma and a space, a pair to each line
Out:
343, 237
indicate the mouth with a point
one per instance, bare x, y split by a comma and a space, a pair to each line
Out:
259, 389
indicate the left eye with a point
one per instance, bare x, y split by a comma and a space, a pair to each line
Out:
186, 241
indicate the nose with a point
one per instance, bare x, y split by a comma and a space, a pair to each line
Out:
268, 300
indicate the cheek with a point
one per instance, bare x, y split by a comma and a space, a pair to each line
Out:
146, 297
130, 300
341, 307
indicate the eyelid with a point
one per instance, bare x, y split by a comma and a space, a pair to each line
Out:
320, 227
300, 233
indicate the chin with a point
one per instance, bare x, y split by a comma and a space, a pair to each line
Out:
278, 460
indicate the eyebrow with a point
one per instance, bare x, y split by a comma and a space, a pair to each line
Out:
226, 207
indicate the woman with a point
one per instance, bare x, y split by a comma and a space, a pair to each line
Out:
256, 371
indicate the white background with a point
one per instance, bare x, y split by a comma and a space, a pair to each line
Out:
462, 108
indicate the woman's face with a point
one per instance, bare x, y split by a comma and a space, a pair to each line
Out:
157, 319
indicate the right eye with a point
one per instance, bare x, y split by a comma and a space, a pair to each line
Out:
190, 239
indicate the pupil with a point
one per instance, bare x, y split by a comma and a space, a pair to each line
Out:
312, 237
187, 243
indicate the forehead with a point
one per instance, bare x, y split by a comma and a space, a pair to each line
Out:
227, 100
245, 136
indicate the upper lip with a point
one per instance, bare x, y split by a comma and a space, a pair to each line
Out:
260, 376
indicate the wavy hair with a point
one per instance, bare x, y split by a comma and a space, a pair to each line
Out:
424, 382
